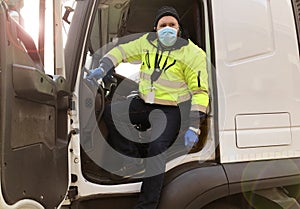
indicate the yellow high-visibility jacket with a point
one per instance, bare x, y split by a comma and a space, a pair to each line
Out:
183, 73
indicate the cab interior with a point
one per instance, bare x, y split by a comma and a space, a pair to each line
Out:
115, 22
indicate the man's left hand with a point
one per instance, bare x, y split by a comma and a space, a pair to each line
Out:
190, 138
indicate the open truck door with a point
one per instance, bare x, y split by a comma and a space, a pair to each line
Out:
34, 105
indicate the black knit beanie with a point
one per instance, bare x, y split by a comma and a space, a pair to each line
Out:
165, 11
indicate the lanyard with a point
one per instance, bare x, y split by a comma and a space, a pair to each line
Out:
157, 70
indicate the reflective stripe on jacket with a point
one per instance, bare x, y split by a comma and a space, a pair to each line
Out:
183, 71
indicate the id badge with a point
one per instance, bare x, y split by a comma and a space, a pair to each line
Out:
150, 97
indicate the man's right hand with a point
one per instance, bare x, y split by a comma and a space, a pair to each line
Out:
96, 74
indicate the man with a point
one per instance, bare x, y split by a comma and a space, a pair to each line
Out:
173, 76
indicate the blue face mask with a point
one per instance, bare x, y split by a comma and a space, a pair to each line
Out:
167, 36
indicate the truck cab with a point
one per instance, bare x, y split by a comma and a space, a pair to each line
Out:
54, 149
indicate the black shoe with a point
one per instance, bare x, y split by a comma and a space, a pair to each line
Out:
130, 169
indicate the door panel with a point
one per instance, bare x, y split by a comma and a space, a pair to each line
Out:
258, 70
33, 144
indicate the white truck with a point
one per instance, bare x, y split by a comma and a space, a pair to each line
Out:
53, 139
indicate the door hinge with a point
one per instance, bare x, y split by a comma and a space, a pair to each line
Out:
72, 192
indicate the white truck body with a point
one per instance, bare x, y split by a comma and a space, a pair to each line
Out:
257, 66
52, 142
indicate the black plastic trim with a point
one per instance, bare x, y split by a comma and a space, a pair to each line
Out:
194, 188
249, 176
194, 185
296, 7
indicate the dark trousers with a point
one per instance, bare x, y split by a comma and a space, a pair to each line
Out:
165, 123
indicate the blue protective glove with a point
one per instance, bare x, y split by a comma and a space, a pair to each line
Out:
190, 138
96, 74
